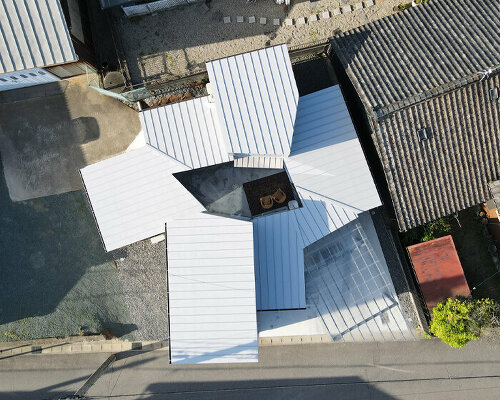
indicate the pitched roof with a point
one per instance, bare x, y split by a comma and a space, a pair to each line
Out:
326, 156
187, 131
412, 55
256, 98
449, 171
134, 194
211, 290
33, 34
421, 71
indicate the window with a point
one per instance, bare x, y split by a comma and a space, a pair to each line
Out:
424, 134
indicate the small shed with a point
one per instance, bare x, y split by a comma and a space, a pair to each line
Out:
438, 270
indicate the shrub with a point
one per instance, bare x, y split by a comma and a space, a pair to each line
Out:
458, 321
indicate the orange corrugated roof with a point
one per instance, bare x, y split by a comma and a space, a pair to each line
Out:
438, 270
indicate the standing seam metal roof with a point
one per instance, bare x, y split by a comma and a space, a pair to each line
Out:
33, 34
256, 98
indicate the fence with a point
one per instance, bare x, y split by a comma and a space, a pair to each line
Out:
131, 96
155, 6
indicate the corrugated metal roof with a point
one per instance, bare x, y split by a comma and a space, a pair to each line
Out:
134, 194
444, 41
326, 156
33, 34
279, 262
211, 287
256, 97
187, 131
439, 270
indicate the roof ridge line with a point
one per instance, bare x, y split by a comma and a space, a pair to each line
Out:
330, 200
449, 87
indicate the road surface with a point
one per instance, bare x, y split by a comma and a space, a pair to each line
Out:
411, 370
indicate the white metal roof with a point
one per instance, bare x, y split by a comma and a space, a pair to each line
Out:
187, 131
256, 98
33, 34
211, 287
134, 194
279, 262
326, 156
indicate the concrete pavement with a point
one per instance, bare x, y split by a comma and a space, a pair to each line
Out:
412, 370
44, 141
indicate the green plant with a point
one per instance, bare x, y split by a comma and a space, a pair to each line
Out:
436, 229
458, 321
403, 6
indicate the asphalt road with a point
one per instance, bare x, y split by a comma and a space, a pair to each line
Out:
412, 370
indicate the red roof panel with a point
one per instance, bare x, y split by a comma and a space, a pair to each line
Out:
438, 270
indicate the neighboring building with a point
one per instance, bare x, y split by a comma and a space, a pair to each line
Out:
241, 182
36, 45
438, 270
429, 81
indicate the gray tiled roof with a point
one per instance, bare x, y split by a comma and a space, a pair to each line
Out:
412, 53
421, 69
450, 171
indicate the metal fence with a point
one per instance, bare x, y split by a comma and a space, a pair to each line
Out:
155, 6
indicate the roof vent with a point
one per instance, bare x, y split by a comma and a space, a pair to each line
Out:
424, 134
495, 94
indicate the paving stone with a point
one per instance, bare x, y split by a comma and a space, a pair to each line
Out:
336, 11
240, 19
313, 17
251, 20
325, 15
276, 21
347, 9
359, 6
289, 22
301, 21
263, 21
227, 20
369, 3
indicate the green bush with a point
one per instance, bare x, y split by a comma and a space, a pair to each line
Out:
432, 230
458, 321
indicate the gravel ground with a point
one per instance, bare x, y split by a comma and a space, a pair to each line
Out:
176, 43
142, 274
57, 280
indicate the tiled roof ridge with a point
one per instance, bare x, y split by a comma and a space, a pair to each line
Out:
385, 111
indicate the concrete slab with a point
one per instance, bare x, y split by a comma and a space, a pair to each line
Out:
289, 22
325, 14
227, 20
301, 21
45, 141
313, 17
240, 19
251, 20
347, 9
369, 3
337, 11
276, 21
263, 21
359, 6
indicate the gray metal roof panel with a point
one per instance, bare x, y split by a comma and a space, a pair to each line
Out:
33, 34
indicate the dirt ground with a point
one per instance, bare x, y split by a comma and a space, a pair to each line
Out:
176, 43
